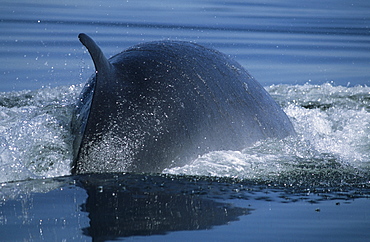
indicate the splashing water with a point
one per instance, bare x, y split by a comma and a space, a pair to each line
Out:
35, 137
332, 145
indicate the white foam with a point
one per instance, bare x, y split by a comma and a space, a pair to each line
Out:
34, 133
332, 125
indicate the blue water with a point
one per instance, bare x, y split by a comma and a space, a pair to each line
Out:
277, 41
313, 57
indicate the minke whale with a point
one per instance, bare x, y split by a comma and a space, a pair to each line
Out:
162, 104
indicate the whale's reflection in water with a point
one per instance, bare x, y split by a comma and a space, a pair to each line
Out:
122, 206
112, 206
117, 206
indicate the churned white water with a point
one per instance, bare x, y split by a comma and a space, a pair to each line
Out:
35, 137
332, 124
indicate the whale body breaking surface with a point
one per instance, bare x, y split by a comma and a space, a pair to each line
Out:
162, 104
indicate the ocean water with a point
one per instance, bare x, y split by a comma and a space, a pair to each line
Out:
312, 57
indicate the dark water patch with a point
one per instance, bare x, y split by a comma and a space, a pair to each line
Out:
16, 100
313, 105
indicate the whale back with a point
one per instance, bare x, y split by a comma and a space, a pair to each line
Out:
165, 103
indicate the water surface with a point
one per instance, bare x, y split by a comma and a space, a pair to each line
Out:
312, 57
277, 41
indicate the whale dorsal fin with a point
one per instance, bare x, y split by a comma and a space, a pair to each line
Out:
102, 65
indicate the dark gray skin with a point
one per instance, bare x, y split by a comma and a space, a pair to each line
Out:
162, 104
